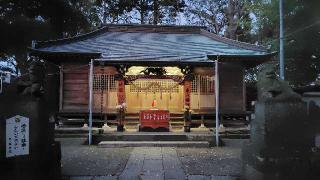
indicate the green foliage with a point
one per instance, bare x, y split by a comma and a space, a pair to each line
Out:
209, 13
158, 11
144, 11
302, 48
230, 18
27, 20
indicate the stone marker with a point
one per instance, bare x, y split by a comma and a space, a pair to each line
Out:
282, 135
41, 160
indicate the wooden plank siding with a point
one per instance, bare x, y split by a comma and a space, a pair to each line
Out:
75, 92
232, 95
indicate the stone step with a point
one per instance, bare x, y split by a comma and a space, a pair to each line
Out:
142, 136
137, 118
118, 144
74, 130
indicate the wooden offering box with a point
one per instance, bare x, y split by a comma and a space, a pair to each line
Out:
154, 119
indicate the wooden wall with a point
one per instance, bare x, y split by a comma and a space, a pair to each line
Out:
74, 94
232, 88
74, 90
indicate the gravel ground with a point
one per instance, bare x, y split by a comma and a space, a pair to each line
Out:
79, 159
220, 161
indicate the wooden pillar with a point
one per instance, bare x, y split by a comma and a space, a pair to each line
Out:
121, 91
187, 92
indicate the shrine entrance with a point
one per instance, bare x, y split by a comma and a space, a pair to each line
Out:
147, 93
140, 90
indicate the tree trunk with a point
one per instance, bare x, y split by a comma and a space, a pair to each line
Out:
156, 12
104, 18
233, 12
142, 13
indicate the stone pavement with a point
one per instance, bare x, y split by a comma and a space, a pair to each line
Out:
82, 162
153, 163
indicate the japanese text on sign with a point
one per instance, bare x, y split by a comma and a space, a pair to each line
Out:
148, 115
17, 136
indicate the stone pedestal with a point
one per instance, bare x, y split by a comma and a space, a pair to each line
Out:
186, 128
106, 128
280, 144
43, 160
120, 128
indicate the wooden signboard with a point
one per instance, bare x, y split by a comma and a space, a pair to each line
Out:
154, 119
17, 136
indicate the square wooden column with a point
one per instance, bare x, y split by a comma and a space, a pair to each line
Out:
121, 91
187, 92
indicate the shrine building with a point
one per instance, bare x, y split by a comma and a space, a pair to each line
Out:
148, 66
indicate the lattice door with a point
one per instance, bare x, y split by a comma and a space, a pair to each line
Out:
203, 92
166, 92
104, 92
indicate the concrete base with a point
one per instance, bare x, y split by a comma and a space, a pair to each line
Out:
117, 144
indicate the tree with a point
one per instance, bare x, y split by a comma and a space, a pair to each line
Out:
113, 11
158, 11
303, 48
208, 13
24, 21
225, 17
302, 53
238, 20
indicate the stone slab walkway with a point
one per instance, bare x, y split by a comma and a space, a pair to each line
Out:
82, 162
153, 163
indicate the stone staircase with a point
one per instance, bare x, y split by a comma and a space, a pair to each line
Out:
176, 120
132, 120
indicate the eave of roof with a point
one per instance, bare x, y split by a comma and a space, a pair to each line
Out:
34, 51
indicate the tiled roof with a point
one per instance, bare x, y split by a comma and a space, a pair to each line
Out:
152, 44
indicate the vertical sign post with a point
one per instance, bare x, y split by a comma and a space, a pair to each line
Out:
17, 136
217, 99
90, 101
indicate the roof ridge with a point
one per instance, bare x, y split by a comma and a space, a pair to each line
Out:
232, 42
153, 25
150, 28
